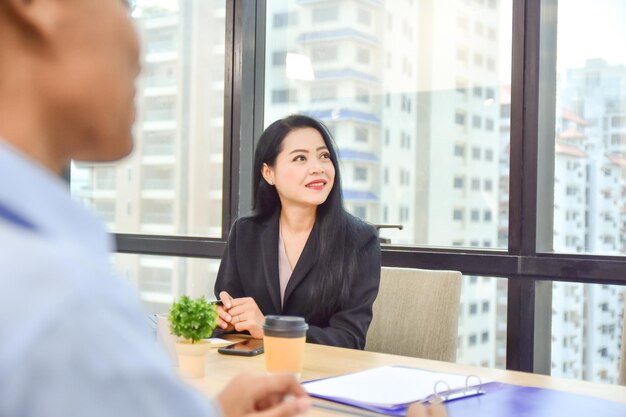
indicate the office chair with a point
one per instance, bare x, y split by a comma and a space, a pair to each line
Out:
416, 314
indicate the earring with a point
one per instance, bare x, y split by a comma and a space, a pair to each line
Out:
270, 183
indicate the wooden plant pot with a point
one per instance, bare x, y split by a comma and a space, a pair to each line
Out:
192, 358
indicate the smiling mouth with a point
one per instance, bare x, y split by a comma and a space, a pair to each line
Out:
316, 185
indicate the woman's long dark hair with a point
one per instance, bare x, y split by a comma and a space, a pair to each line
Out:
338, 260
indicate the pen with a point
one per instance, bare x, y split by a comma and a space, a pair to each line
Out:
216, 302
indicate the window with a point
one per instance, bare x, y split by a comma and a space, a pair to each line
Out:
363, 55
475, 217
461, 54
476, 151
417, 131
361, 134
404, 214
360, 174
488, 155
362, 95
324, 53
279, 58
105, 178
364, 17
475, 184
325, 14
157, 212
485, 308
160, 108
488, 185
473, 309
105, 209
178, 134
283, 96
323, 93
459, 118
478, 60
461, 87
282, 20
484, 337
489, 124
472, 340
360, 212
487, 215
461, 22
155, 177
159, 143
479, 28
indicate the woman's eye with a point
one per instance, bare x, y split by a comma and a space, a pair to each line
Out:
299, 158
325, 155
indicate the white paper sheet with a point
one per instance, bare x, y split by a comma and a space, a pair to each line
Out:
386, 386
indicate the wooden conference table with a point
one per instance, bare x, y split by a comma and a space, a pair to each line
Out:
324, 361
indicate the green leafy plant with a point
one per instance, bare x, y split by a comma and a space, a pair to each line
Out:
192, 319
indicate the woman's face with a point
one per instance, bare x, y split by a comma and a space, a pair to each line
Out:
303, 173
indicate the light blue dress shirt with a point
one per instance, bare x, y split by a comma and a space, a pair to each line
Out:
73, 338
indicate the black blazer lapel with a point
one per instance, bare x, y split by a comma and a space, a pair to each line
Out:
307, 259
269, 247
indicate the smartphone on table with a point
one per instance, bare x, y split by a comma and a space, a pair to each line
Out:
248, 347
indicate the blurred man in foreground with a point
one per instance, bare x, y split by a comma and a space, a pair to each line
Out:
72, 337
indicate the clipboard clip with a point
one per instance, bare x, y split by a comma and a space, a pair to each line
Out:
447, 394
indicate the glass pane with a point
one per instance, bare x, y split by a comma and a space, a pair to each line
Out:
587, 326
590, 137
412, 92
162, 279
482, 322
172, 183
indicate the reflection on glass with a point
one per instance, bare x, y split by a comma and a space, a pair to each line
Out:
172, 183
411, 91
160, 280
482, 322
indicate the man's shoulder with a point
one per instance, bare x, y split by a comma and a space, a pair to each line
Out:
32, 263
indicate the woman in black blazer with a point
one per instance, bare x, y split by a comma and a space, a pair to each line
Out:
301, 253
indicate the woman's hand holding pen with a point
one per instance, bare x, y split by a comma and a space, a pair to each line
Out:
241, 314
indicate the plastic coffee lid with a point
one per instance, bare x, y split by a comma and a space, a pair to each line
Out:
285, 326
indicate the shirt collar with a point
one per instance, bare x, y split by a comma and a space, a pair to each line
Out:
43, 199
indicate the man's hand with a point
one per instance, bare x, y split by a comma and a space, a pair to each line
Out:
277, 395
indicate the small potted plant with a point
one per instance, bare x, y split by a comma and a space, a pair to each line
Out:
192, 321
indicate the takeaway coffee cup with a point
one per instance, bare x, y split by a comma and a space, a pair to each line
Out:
283, 341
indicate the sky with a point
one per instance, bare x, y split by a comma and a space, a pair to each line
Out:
586, 29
